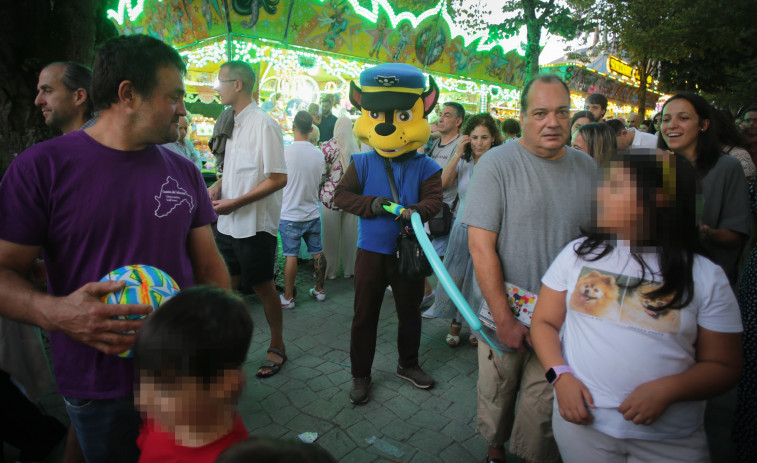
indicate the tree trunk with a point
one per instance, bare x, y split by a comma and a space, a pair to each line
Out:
642, 92
533, 37
34, 33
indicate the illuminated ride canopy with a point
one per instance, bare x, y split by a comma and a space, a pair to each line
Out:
301, 47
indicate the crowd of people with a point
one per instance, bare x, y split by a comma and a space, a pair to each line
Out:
611, 263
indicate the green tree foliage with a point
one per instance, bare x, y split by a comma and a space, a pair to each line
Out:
686, 44
538, 16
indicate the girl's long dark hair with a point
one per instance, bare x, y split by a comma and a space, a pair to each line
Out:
666, 188
487, 121
708, 149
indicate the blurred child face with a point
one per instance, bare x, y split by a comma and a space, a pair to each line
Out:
619, 210
182, 401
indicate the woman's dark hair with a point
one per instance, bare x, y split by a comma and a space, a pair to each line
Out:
647, 122
303, 122
268, 450
707, 149
135, 58
511, 126
487, 121
579, 115
198, 333
726, 130
669, 224
652, 128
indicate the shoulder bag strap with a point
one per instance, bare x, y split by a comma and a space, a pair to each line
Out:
392, 184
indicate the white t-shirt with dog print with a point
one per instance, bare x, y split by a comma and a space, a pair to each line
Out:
614, 342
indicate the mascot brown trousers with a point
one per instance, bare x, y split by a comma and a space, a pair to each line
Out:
373, 272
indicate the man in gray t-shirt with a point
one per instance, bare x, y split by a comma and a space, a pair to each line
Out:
533, 197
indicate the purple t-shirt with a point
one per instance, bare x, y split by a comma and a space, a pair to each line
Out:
94, 209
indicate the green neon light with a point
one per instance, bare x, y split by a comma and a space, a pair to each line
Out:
287, 58
125, 8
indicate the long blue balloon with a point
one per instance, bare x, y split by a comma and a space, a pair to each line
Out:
443, 275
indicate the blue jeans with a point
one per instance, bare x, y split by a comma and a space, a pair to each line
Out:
292, 232
107, 429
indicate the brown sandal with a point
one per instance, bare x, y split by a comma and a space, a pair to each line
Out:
272, 364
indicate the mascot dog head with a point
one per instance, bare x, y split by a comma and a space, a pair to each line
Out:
394, 104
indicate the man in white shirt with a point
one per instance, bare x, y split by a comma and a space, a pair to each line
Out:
629, 139
300, 216
248, 198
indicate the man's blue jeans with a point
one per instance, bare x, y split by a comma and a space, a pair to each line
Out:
107, 429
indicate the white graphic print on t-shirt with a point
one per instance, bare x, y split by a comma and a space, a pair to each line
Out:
171, 196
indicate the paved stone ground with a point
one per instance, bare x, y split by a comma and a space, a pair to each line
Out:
311, 391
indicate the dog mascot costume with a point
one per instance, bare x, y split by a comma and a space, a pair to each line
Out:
394, 104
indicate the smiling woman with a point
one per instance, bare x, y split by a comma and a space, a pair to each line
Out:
724, 225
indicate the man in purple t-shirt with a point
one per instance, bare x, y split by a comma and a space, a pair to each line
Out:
95, 200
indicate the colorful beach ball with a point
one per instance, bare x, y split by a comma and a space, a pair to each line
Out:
144, 285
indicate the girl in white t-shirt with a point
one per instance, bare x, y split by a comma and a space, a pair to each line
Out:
633, 325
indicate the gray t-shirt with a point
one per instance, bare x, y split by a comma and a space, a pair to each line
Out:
725, 205
442, 154
536, 206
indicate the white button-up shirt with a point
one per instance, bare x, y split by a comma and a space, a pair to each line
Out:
254, 152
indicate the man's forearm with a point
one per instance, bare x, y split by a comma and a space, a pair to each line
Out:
20, 301
265, 188
492, 283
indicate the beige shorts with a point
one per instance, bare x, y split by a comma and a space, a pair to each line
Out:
584, 444
529, 431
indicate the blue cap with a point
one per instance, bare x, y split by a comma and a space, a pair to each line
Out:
393, 86
393, 75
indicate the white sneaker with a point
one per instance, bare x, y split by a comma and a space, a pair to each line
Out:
319, 296
428, 299
286, 303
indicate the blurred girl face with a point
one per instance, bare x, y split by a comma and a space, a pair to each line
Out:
681, 127
579, 122
481, 140
619, 210
579, 143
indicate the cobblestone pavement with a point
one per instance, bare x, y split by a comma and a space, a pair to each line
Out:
310, 393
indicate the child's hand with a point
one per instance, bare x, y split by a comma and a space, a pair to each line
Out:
645, 404
572, 399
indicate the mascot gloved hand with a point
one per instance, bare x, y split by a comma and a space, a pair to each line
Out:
377, 206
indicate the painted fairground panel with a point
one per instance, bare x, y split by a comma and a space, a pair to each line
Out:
265, 19
178, 22
443, 51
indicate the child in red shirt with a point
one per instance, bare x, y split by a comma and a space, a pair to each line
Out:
189, 356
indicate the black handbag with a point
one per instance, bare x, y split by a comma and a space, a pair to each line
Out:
411, 260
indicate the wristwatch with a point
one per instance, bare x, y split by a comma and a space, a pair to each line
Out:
554, 373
